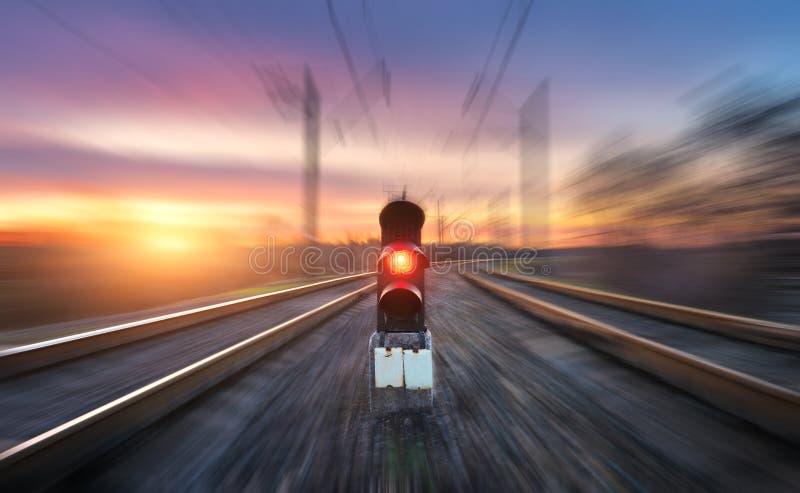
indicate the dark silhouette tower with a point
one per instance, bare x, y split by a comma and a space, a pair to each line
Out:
311, 114
534, 155
289, 99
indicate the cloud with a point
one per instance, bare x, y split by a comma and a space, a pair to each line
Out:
42, 166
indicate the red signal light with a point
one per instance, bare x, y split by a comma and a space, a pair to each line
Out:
401, 262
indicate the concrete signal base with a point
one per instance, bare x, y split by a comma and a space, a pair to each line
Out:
401, 373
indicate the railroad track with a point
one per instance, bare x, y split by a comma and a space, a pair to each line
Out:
500, 372
519, 405
70, 398
749, 329
742, 366
74, 397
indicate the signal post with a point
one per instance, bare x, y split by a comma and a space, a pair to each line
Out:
401, 363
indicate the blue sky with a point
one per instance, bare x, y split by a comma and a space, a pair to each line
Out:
168, 83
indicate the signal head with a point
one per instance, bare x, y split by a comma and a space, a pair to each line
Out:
401, 268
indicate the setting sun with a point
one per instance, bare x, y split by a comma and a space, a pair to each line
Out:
169, 243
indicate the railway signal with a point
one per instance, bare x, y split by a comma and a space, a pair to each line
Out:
401, 365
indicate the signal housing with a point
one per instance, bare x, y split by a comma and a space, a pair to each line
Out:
401, 269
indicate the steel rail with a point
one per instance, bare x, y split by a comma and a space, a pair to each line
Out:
768, 406
43, 459
745, 328
28, 357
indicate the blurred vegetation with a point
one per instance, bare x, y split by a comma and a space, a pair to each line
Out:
733, 175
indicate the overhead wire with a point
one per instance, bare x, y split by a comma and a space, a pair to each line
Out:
351, 68
499, 75
112, 54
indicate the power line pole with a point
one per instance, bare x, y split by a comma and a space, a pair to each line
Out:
534, 147
311, 114
290, 98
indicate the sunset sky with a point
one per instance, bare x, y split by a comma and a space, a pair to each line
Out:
144, 122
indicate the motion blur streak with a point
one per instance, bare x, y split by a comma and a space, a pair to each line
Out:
162, 155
